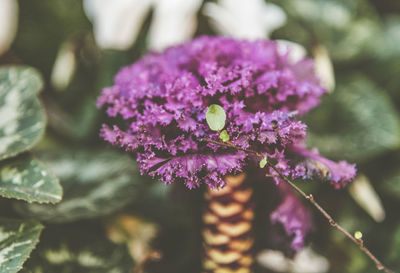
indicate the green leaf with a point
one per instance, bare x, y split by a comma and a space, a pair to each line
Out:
27, 179
224, 136
357, 122
263, 162
95, 183
17, 240
75, 248
22, 118
216, 117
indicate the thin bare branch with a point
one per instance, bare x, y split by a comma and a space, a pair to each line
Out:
311, 199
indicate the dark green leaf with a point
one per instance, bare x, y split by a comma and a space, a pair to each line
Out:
28, 179
22, 119
17, 240
95, 183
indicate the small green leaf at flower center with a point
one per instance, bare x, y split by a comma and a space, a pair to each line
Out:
215, 117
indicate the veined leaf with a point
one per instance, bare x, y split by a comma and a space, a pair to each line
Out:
22, 119
17, 240
27, 179
95, 183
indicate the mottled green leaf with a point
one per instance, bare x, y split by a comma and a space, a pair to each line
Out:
95, 183
357, 122
27, 179
78, 248
17, 240
22, 119
216, 117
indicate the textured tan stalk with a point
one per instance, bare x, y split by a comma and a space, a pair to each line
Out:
227, 232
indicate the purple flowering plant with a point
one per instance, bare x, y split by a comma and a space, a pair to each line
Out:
252, 94
163, 99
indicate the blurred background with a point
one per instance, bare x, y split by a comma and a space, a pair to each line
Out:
113, 220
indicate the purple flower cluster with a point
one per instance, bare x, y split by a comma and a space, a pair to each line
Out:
163, 98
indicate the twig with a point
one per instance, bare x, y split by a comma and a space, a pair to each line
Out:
311, 199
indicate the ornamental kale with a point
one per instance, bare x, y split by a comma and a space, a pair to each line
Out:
163, 98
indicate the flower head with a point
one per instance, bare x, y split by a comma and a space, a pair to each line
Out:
163, 98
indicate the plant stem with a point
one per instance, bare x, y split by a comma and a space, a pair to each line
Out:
311, 199
227, 227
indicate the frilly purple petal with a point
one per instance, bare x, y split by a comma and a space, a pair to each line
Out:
293, 216
187, 168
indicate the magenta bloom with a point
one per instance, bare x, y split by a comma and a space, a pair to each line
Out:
163, 98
